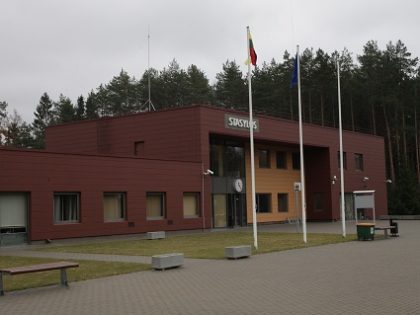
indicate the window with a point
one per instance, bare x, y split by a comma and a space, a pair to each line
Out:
155, 207
319, 202
282, 202
281, 158
296, 160
191, 205
114, 207
264, 158
227, 158
358, 161
66, 207
217, 160
13, 212
263, 203
139, 148
344, 159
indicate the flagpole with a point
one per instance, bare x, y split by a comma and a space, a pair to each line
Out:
251, 140
340, 130
302, 160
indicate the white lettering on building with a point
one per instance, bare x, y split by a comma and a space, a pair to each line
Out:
236, 122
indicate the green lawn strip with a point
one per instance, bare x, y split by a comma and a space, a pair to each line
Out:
87, 270
205, 245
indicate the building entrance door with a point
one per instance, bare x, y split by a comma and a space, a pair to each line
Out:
220, 210
236, 210
229, 210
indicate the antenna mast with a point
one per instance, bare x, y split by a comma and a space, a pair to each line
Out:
148, 103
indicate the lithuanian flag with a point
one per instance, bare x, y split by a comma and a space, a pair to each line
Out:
252, 53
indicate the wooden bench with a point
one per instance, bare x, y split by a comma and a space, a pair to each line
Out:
61, 265
384, 228
235, 252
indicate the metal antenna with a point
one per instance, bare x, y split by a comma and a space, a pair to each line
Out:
148, 103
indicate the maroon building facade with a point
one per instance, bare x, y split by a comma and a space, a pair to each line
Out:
149, 171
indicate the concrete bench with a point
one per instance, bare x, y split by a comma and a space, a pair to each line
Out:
384, 228
61, 265
292, 220
156, 235
235, 252
166, 261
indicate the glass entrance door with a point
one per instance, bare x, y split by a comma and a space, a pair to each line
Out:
229, 210
220, 210
236, 210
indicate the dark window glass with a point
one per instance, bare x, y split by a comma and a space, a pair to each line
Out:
217, 160
264, 158
235, 161
296, 160
227, 160
283, 204
66, 207
281, 158
263, 203
358, 161
344, 159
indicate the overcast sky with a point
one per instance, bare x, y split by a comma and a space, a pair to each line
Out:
70, 47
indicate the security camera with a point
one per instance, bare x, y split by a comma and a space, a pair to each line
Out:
365, 179
209, 172
388, 181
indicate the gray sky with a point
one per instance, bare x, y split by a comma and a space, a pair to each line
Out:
70, 47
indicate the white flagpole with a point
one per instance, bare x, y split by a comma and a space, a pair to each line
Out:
340, 128
251, 140
302, 160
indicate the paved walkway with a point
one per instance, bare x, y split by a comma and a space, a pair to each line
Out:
379, 277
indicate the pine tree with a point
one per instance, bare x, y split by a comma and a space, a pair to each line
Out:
43, 118
80, 108
175, 84
63, 110
3, 120
91, 109
122, 95
230, 88
198, 90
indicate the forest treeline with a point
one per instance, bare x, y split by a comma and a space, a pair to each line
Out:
379, 94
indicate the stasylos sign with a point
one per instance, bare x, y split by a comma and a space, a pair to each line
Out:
240, 123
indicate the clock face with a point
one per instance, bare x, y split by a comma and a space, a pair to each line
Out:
238, 185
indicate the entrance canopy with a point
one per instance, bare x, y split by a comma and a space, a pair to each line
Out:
364, 199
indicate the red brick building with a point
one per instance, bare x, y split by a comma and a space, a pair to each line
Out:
145, 172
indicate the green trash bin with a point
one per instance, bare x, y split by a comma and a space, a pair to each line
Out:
365, 231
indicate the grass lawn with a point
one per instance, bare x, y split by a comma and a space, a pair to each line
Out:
87, 270
205, 245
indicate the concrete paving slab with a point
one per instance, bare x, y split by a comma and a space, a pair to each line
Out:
371, 277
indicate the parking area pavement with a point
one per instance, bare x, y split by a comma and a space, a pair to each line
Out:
370, 277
